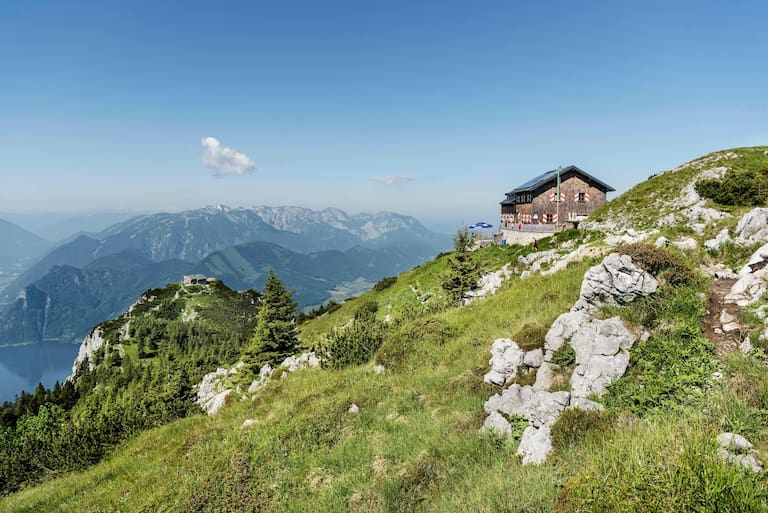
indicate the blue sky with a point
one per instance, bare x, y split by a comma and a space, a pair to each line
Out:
104, 105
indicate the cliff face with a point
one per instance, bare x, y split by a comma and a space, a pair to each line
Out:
92, 343
24, 320
68, 302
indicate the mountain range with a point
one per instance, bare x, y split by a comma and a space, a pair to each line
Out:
19, 244
57, 227
321, 254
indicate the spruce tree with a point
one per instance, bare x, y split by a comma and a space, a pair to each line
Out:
463, 272
275, 336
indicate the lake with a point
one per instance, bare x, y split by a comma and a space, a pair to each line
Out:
23, 367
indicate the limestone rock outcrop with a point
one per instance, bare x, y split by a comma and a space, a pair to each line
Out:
506, 358
685, 243
88, 348
540, 407
751, 283
601, 353
722, 237
488, 284
753, 227
213, 391
615, 281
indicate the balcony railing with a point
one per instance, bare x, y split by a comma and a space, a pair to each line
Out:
531, 227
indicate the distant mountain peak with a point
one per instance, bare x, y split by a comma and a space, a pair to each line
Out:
215, 208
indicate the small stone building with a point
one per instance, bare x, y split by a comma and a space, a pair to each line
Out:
195, 279
535, 202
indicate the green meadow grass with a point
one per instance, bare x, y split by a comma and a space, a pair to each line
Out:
415, 443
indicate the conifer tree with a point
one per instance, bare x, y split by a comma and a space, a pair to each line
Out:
463, 273
275, 336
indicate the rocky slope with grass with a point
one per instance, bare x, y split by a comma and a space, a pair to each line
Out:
627, 372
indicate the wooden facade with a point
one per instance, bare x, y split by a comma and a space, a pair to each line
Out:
535, 203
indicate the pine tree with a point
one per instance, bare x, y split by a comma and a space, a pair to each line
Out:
463, 272
275, 336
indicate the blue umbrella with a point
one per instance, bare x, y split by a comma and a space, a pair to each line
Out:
480, 225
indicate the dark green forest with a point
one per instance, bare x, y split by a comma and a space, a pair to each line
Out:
141, 377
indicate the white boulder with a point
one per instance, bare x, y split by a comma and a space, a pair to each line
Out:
540, 407
534, 358
753, 226
615, 281
721, 238
686, 243
602, 355
506, 358
751, 283
736, 449
488, 284
496, 423
562, 330
535, 445
302, 361
214, 404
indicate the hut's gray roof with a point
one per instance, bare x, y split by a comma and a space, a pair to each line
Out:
535, 183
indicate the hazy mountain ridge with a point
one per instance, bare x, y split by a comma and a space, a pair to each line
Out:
312, 275
192, 235
19, 244
67, 301
57, 227
364, 226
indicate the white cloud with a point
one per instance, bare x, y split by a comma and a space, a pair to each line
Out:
391, 179
225, 161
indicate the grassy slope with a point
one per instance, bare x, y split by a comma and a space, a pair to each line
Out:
644, 204
414, 445
308, 454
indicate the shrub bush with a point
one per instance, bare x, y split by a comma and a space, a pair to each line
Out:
356, 343
531, 336
662, 264
385, 283
575, 424
746, 188
428, 329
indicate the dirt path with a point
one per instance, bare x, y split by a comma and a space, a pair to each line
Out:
721, 319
